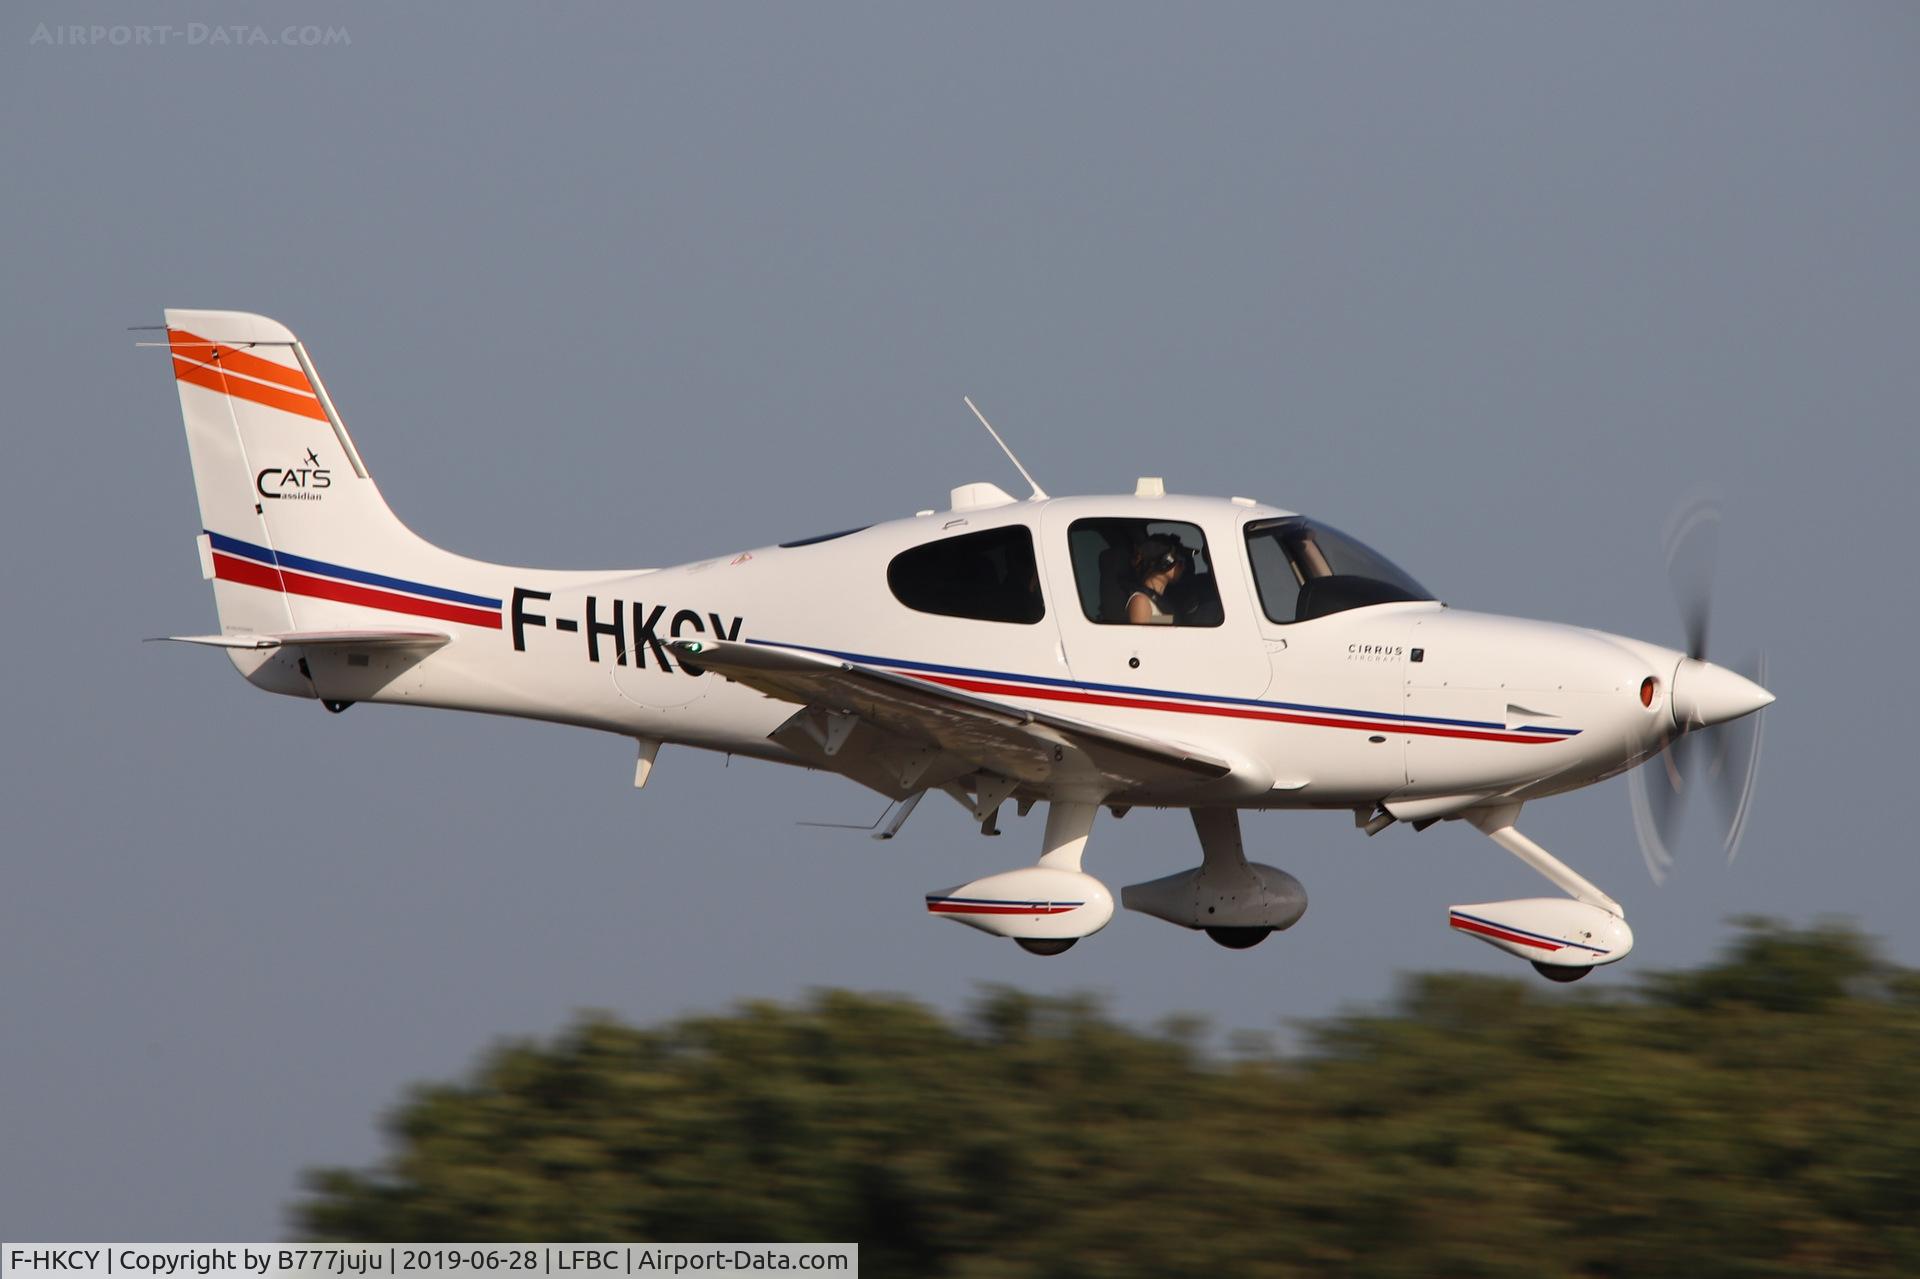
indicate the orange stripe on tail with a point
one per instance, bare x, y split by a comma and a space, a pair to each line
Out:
210, 376
192, 346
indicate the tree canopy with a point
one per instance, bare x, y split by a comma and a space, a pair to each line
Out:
1753, 1117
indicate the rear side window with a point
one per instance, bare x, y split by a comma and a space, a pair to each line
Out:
989, 577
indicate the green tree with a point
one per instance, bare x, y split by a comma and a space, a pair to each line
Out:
1753, 1117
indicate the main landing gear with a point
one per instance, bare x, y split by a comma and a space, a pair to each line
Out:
1045, 908
1235, 902
1048, 907
1239, 938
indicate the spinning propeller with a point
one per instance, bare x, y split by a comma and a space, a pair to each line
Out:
1715, 739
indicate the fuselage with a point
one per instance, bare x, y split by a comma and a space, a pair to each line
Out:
1364, 701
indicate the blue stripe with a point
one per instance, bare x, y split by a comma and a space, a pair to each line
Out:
1509, 928
300, 563
871, 660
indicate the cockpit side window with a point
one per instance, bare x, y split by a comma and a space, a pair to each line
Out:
1304, 569
1144, 572
989, 576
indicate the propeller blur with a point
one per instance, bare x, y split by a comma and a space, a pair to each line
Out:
1715, 735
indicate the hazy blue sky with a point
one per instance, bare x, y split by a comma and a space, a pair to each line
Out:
1490, 286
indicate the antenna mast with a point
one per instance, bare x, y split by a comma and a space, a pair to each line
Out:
1039, 494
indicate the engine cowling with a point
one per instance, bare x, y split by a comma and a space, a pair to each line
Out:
1034, 902
1551, 932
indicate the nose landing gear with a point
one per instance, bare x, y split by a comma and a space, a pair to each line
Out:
1563, 939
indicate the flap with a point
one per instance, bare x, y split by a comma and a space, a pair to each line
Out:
1035, 747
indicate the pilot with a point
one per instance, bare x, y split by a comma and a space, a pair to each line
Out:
1161, 567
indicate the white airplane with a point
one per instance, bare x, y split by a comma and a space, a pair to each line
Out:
1211, 654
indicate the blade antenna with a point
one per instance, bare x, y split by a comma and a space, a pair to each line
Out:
1039, 494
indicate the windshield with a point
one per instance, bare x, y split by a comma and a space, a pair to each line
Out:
1305, 569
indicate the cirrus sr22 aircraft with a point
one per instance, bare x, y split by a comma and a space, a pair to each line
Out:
1210, 654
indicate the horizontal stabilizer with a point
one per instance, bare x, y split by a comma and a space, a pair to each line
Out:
320, 639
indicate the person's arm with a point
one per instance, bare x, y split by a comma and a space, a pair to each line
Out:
1139, 608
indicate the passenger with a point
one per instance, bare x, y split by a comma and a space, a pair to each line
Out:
1161, 566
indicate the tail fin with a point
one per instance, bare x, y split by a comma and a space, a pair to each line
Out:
296, 536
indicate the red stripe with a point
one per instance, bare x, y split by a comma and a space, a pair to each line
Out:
974, 908
193, 347
246, 572
210, 376
1229, 712
1469, 926
231, 569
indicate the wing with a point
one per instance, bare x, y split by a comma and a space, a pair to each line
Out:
908, 732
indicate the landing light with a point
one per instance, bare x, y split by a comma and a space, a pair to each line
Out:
1648, 686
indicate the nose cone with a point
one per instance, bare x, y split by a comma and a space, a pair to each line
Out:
1705, 694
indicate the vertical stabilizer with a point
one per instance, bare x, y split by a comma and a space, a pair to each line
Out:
296, 534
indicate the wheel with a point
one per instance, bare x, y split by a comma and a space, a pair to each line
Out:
1238, 938
1554, 972
1046, 945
